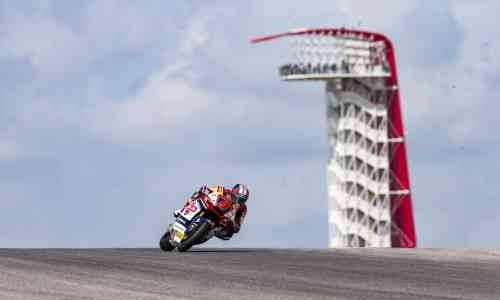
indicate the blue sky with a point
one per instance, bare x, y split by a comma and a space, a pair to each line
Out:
111, 112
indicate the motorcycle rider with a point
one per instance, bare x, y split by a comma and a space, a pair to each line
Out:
235, 214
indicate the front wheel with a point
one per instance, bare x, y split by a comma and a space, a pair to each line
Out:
165, 244
194, 238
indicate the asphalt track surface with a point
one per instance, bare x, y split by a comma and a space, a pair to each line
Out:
249, 274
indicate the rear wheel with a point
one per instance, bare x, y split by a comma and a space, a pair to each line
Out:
165, 242
195, 238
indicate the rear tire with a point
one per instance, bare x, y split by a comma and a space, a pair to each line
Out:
165, 242
195, 238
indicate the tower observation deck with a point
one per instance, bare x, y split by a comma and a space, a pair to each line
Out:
369, 198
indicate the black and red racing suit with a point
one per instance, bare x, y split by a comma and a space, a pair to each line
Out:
235, 214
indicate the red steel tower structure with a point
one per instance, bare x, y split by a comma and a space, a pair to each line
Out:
369, 195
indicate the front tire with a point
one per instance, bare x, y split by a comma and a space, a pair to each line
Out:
165, 242
194, 239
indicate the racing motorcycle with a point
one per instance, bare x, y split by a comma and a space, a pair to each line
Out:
197, 222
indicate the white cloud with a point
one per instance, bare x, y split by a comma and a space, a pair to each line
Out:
168, 100
113, 25
50, 46
196, 37
163, 105
9, 150
464, 131
375, 15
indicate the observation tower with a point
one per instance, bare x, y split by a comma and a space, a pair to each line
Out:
369, 198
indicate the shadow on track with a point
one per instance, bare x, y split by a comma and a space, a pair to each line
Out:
228, 250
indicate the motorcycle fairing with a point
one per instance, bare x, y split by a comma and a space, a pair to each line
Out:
189, 217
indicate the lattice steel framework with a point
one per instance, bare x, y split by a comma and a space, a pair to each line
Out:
368, 181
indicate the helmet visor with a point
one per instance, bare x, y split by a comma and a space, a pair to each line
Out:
241, 199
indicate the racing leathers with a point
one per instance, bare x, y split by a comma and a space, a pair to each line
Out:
234, 215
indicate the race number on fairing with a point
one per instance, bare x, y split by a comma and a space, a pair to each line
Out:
191, 210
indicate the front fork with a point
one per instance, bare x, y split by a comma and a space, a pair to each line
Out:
180, 232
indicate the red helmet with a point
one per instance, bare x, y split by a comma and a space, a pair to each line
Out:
241, 193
